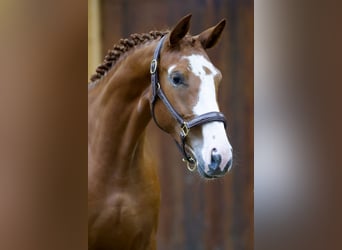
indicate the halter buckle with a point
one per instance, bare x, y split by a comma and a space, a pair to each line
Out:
153, 67
184, 129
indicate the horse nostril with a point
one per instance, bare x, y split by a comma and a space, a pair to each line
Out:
215, 159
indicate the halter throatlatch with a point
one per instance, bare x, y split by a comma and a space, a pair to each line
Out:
185, 126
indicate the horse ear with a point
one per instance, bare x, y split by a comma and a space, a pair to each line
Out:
180, 30
209, 37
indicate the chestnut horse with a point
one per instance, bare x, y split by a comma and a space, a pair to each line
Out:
166, 76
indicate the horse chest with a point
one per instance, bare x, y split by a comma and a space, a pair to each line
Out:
127, 220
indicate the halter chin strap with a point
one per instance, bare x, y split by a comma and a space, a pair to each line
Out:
185, 126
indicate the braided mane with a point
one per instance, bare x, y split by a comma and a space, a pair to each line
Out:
124, 45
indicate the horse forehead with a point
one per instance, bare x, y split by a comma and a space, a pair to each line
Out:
200, 65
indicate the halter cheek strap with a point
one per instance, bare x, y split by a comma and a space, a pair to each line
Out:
185, 126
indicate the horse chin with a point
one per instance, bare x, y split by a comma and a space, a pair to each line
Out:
202, 173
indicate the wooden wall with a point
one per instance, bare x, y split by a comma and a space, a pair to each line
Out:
197, 214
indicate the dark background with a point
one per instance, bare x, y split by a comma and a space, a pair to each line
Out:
197, 214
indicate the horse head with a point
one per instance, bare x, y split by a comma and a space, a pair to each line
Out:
190, 82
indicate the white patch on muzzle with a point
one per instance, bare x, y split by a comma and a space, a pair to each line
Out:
214, 134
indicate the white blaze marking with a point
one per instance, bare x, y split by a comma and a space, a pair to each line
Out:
214, 134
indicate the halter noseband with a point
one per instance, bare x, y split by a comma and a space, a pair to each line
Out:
185, 126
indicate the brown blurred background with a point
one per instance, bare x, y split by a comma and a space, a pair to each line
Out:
195, 214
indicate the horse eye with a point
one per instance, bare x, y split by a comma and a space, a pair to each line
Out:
177, 78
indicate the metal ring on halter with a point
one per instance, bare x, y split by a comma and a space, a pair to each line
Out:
185, 129
188, 164
153, 67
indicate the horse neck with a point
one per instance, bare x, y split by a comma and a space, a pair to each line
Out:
119, 112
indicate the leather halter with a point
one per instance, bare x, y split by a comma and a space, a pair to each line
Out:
185, 126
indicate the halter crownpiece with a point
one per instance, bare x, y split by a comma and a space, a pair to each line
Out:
185, 126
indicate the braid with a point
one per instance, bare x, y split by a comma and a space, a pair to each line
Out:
121, 48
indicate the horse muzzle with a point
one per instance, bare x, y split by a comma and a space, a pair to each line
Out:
218, 164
